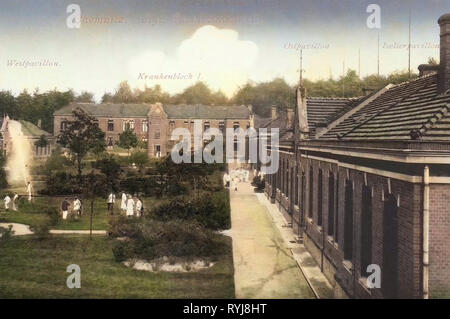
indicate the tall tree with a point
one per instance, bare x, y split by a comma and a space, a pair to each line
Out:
81, 136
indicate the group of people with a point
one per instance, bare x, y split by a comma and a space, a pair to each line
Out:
76, 210
14, 199
131, 206
234, 177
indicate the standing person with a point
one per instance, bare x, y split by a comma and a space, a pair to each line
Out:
7, 202
246, 175
30, 191
139, 207
65, 208
234, 183
123, 204
15, 202
130, 206
111, 200
77, 207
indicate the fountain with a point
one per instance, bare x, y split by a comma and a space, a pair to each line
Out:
19, 153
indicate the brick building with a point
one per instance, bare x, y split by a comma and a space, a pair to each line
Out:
367, 181
154, 123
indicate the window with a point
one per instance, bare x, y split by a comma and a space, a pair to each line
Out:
206, 126
311, 186
144, 126
235, 144
132, 125
336, 222
110, 125
389, 280
348, 221
125, 125
96, 123
221, 126
366, 230
331, 205
157, 150
319, 199
63, 125
110, 142
157, 134
296, 187
171, 125
235, 125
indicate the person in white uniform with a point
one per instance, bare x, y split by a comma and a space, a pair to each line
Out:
130, 206
77, 207
110, 201
15, 202
123, 204
139, 207
30, 191
7, 202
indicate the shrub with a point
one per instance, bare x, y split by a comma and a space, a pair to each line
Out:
6, 233
259, 184
150, 239
41, 230
211, 211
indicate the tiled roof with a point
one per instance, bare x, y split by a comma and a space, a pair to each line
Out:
321, 109
411, 110
29, 129
107, 109
199, 111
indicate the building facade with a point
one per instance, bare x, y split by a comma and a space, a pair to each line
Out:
154, 123
365, 182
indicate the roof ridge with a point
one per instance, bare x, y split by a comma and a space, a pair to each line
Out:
414, 80
435, 118
381, 111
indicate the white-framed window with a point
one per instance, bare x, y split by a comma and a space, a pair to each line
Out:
144, 126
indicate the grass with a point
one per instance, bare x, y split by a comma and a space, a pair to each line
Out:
30, 268
35, 213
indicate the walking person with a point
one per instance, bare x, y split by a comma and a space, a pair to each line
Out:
123, 204
7, 200
65, 208
77, 207
139, 207
234, 184
130, 206
15, 202
30, 191
111, 200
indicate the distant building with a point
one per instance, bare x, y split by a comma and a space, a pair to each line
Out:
366, 181
32, 132
154, 123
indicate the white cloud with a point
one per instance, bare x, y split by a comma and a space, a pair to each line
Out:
215, 56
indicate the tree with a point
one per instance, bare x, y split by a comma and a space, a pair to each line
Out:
128, 140
123, 94
82, 136
85, 97
42, 141
93, 186
111, 169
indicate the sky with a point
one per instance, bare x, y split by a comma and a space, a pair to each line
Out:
225, 43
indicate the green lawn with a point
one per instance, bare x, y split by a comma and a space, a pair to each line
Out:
35, 213
30, 268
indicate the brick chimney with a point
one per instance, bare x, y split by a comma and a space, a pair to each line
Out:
274, 112
290, 117
444, 74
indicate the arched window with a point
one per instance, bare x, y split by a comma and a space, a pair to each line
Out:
311, 192
389, 275
319, 198
331, 204
366, 230
348, 221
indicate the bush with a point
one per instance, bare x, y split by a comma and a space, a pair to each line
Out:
61, 183
211, 211
259, 184
6, 233
149, 239
41, 230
